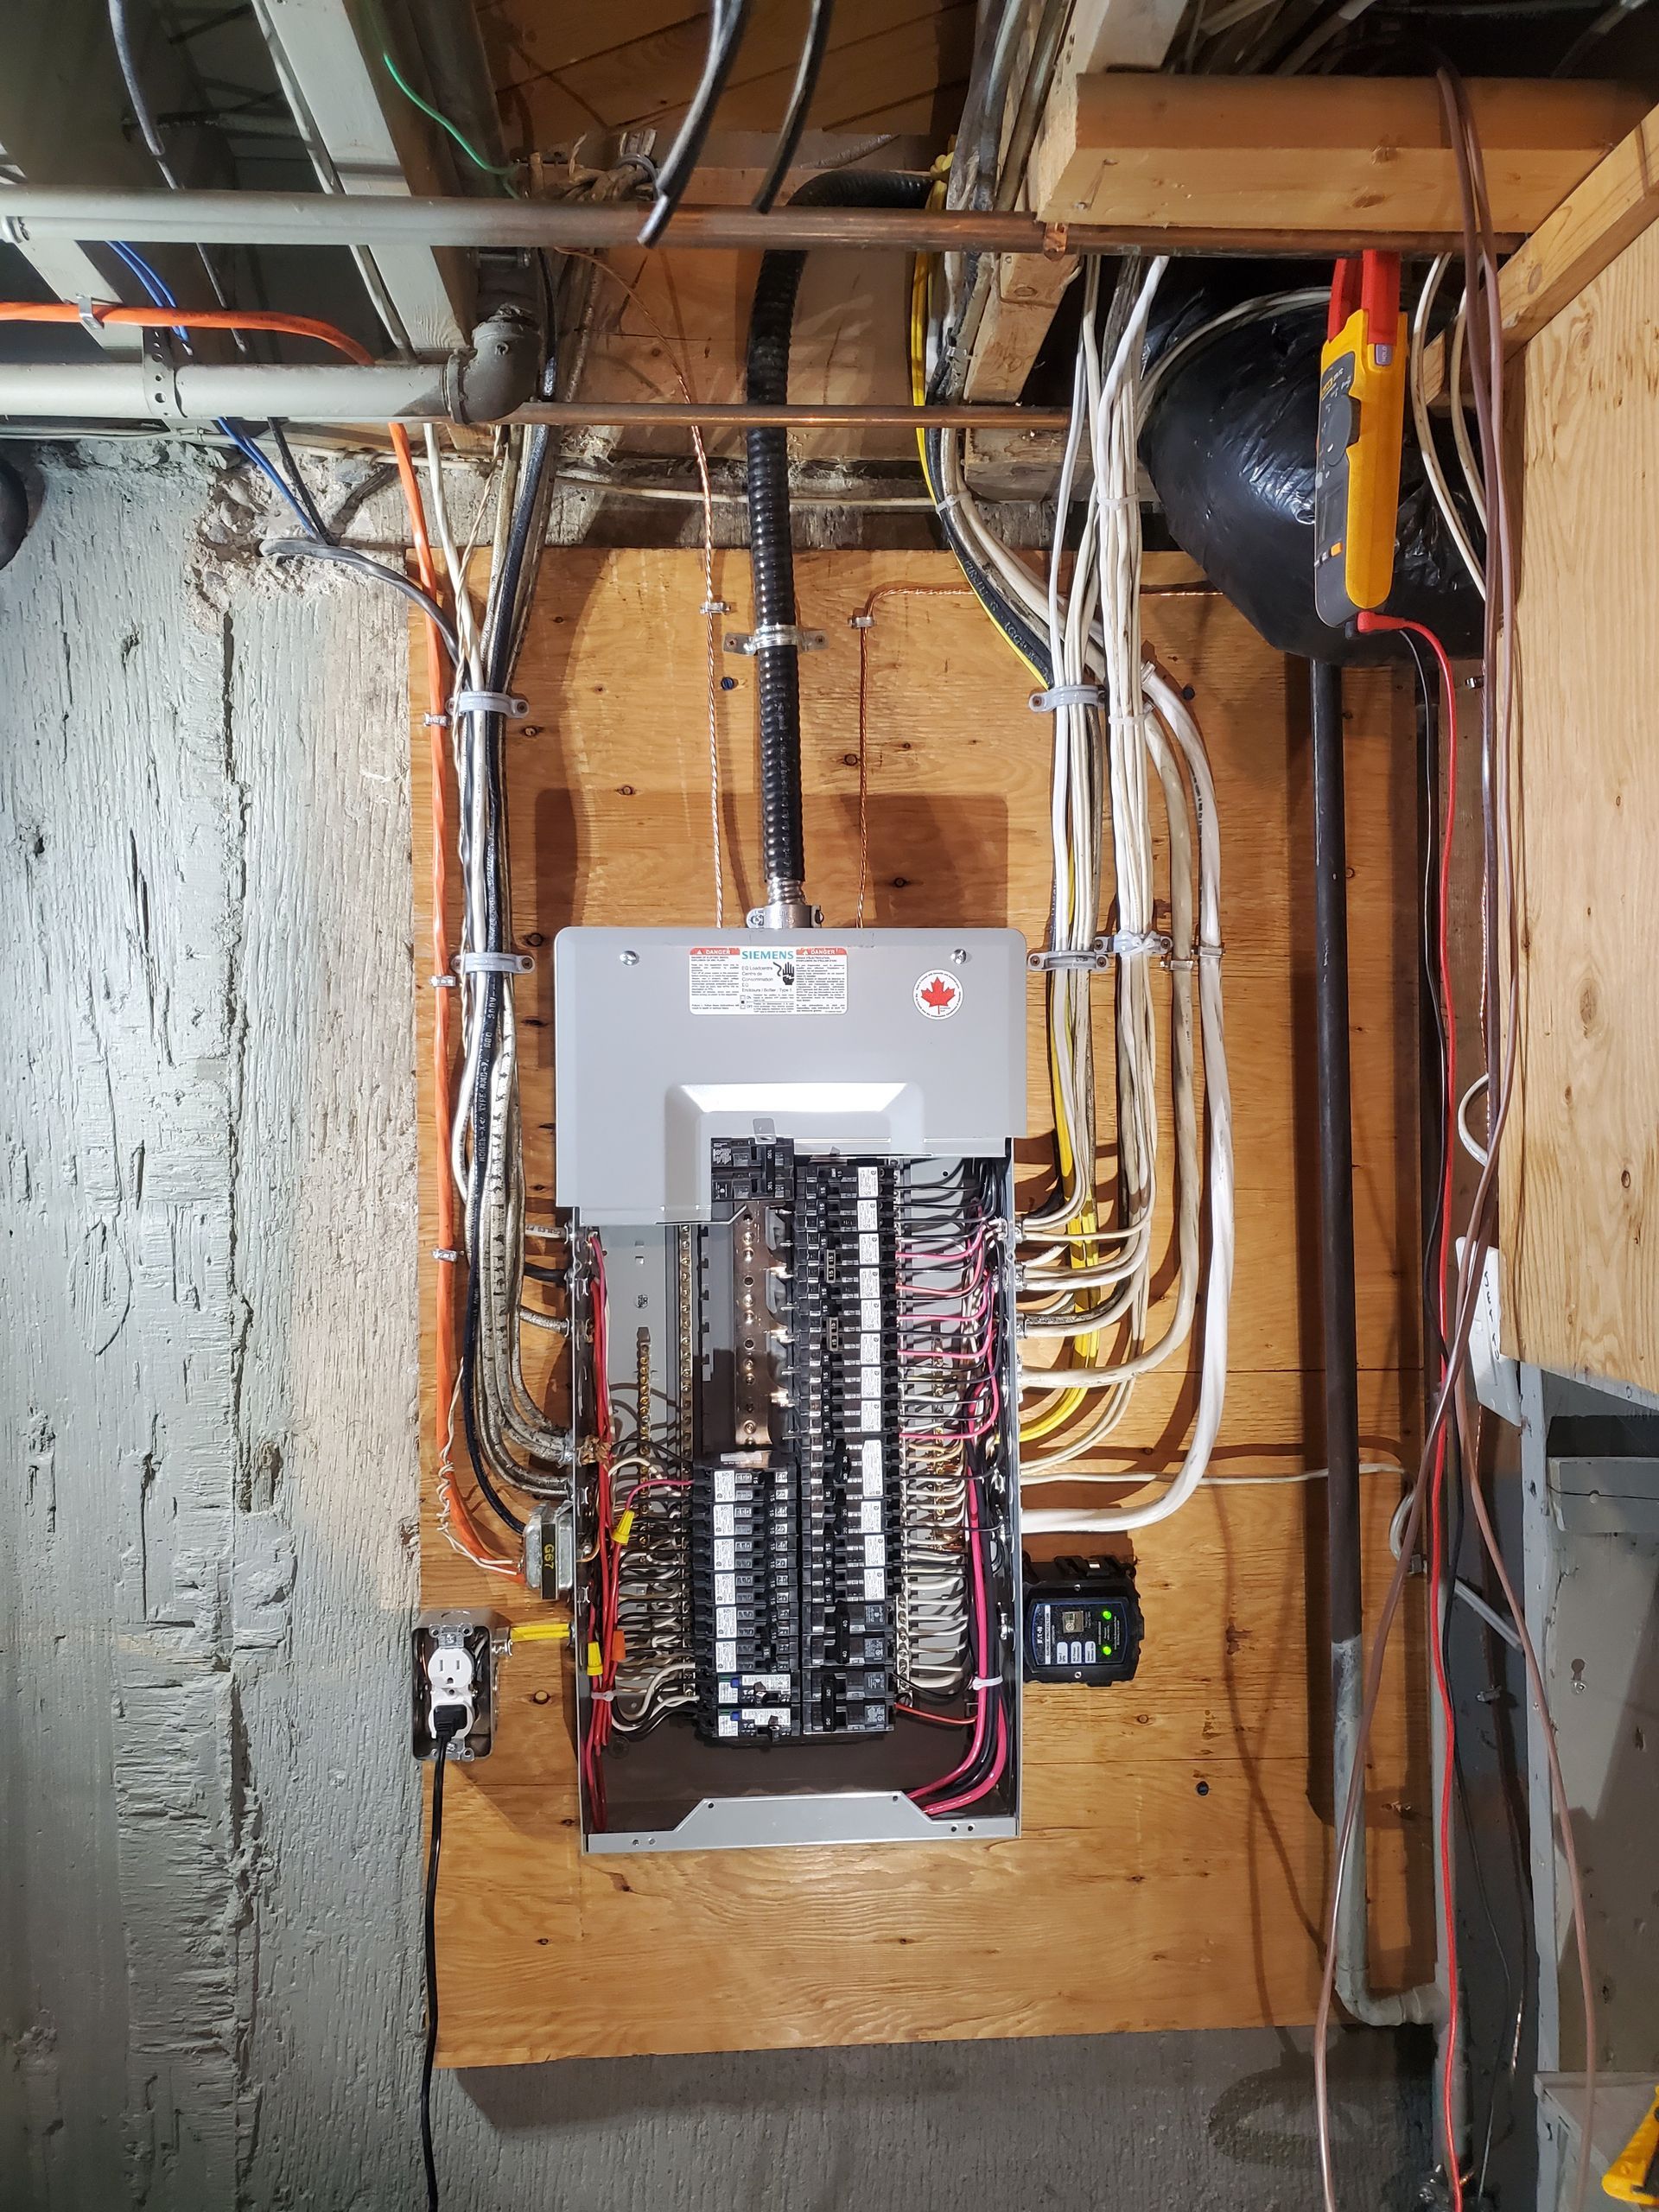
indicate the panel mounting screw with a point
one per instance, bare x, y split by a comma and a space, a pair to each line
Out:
959, 958
629, 959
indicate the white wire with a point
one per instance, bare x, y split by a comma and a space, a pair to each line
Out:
1476, 1152
1105, 764
1425, 429
1029, 1480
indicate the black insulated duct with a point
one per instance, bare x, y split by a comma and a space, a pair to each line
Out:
1228, 442
772, 320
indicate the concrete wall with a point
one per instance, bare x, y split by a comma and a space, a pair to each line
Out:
208, 1820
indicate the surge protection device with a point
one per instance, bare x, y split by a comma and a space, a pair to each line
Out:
786, 1161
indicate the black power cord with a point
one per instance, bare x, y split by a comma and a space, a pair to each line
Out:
726, 22
813, 49
448, 1722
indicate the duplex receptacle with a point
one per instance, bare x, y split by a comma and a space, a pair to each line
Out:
455, 1653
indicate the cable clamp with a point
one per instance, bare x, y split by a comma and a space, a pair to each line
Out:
443, 982
14, 229
494, 963
447, 1253
489, 703
1067, 695
861, 621
986, 1683
773, 637
601, 1697
1052, 959
1136, 944
1208, 951
715, 606
434, 721
86, 309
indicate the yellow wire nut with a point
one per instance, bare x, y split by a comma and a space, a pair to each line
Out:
624, 1529
595, 1664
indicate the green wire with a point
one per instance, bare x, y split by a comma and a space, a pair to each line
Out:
442, 121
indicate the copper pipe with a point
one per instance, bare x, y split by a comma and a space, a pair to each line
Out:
738, 414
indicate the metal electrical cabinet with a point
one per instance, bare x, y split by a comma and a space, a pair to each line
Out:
787, 1167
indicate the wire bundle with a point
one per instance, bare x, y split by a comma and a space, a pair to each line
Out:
947, 1291
1123, 736
950, 1434
1501, 1023
510, 1441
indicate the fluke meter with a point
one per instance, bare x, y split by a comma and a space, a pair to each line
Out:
1362, 417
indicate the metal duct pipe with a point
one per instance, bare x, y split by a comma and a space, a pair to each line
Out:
323, 219
416, 391
482, 383
1341, 1356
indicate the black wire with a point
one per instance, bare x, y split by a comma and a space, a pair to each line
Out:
726, 22
813, 49
347, 557
430, 1949
297, 484
1019, 633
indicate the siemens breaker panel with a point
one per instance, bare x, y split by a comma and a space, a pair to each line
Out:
788, 1170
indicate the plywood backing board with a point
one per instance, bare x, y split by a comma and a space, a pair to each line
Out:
1174, 1864
1581, 1158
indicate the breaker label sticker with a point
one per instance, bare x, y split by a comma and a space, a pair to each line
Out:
936, 994
768, 978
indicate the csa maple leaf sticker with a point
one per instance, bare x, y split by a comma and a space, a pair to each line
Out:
938, 994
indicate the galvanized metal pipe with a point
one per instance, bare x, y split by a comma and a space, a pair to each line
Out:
119, 391
28, 211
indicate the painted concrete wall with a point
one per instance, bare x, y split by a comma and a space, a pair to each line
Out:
208, 1821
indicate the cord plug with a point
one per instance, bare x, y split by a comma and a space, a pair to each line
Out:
452, 1679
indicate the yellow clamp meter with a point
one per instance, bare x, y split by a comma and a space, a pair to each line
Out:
1362, 418
1633, 2177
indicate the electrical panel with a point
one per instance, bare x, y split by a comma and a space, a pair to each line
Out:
787, 1168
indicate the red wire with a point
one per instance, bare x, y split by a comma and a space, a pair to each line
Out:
1370, 622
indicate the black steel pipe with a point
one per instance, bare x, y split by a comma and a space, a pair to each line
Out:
1336, 1154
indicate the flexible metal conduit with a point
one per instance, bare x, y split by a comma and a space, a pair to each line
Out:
772, 320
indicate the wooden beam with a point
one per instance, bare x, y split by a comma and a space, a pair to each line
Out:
1103, 35
1025, 294
1366, 154
1588, 231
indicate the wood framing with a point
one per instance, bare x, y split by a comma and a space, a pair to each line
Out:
1367, 155
1103, 35
1591, 227
1174, 1868
1581, 1156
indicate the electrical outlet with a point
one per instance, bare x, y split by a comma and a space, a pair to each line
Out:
455, 1653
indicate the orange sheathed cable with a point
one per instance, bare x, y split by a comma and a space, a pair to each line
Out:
438, 699
150, 318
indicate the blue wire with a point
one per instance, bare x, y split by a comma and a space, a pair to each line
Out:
161, 297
